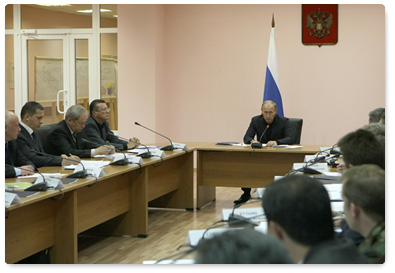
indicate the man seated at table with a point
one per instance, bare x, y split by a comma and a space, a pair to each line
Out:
362, 147
13, 156
29, 143
298, 212
364, 207
67, 137
268, 128
98, 130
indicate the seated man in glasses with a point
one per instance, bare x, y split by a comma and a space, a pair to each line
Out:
98, 130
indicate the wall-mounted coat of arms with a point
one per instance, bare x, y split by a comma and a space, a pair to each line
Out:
319, 24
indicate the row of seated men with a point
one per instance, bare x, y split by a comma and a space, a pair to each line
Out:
300, 220
79, 135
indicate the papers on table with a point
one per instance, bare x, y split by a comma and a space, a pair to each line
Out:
89, 164
12, 198
254, 214
321, 167
287, 146
18, 185
49, 175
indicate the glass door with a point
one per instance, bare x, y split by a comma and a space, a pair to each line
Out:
56, 72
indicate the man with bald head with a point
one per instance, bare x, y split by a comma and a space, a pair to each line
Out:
16, 164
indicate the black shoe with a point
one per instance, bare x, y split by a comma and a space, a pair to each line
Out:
243, 198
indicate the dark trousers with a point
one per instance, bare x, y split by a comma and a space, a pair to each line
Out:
247, 191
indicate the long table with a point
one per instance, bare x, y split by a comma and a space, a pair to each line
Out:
120, 199
236, 166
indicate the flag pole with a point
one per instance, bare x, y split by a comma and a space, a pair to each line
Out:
273, 24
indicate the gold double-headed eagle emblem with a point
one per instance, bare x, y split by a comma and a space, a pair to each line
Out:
319, 23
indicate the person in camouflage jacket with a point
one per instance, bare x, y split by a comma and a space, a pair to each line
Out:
364, 208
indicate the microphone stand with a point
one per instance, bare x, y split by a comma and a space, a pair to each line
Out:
166, 148
36, 187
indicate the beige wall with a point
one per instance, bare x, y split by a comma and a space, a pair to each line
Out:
196, 72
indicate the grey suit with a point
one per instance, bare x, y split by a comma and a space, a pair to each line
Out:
60, 141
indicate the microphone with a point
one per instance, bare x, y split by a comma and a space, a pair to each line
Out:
259, 145
166, 148
79, 174
146, 154
241, 221
36, 187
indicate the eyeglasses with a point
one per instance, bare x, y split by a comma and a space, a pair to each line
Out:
107, 109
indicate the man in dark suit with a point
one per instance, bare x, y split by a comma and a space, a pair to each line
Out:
29, 143
298, 211
13, 157
67, 137
98, 130
269, 128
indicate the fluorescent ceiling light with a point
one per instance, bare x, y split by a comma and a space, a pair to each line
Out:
90, 11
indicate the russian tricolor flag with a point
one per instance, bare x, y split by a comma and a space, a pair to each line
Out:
272, 87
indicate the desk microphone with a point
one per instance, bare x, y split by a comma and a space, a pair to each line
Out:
147, 154
236, 220
166, 148
36, 187
120, 162
259, 145
79, 174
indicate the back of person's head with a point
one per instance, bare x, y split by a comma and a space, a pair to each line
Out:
241, 246
301, 206
378, 129
75, 111
362, 147
377, 115
30, 108
93, 105
368, 194
363, 171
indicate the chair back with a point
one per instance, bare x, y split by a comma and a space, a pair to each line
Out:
44, 130
296, 125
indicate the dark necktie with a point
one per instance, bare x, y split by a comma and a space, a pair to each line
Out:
74, 137
36, 141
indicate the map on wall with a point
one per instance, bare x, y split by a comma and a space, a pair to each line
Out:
49, 77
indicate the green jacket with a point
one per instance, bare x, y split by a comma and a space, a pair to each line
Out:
374, 244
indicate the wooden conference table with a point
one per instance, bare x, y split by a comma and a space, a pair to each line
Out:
121, 196
119, 201
236, 166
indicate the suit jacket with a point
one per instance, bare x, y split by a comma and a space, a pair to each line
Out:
279, 130
60, 141
101, 134
14, 159
335, 251
26, 144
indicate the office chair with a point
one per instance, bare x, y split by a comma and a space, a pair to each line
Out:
296, 125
